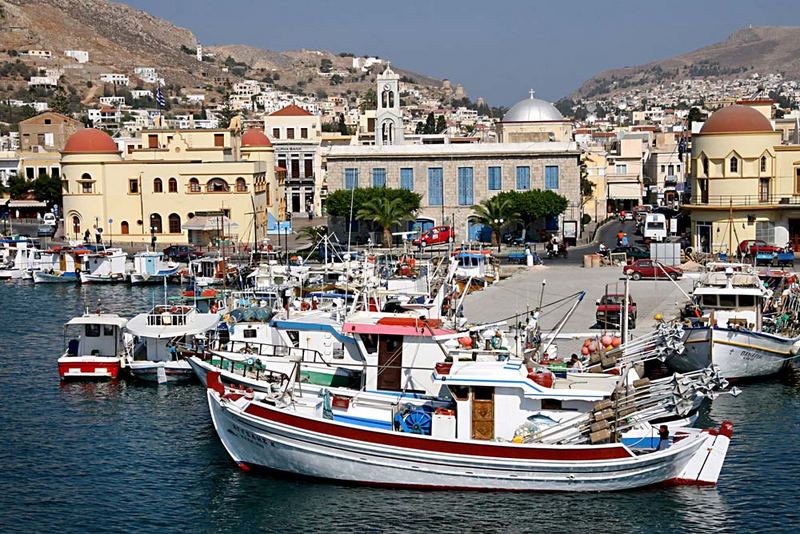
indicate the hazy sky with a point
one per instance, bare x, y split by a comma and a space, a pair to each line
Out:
497, 49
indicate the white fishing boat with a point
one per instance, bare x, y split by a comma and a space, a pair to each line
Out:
301, 436
208, 271
732, 331
95, 347
156, 358
151, 268
60, 266
17, 258
107, 266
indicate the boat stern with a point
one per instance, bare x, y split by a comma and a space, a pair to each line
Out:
705, 466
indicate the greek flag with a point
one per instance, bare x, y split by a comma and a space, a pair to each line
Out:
160, 100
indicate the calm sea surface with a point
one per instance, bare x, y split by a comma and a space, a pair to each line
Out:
130, 457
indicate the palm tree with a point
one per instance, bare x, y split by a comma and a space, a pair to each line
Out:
386, 213
495, 212
313, 233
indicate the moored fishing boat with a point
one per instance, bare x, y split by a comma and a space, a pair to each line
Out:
740, 327
150, 268
301, 437
97, 350
156, 358
107, 266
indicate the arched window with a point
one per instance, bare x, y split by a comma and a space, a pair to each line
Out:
763, 164
124, 228
86, 176
705, 165
174, 223
194, 185
173, 185
158, 186
217, 185
391, 99
76, 224
155, 224
734, 164
241, 185
385, 98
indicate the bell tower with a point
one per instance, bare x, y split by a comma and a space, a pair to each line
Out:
389, 128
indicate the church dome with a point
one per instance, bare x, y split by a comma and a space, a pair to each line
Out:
736, 119
255, 138
90, 141
533, 110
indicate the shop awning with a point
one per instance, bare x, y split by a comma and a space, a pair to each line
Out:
208, 223
625, 191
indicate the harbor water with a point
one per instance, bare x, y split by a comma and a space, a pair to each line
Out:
88, 457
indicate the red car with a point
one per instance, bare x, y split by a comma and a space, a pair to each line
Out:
609, 308
651, 269
751, 247
435, 235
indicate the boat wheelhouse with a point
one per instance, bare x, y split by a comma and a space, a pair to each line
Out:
107, 266
151, 268
95, 347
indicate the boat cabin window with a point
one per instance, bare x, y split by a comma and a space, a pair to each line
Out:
108, 330
482, 393
710, 301
727, 301
460, 393
294, 337
747, 301
249, 333
551, 404
370, 342
92, 330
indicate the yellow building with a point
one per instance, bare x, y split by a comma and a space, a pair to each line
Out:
181, 186
745, 184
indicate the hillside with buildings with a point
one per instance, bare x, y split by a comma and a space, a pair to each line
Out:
762, 50
101, 53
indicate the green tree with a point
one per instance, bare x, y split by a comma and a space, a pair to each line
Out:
441, 125
226, 113
369, 100
420, 129
343, 128
530, 206
313, 233
430, 124
338, 203
18, 186
47, 189
59, 101
386, 213
695, 115
495, 212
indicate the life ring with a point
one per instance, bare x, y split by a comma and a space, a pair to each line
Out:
214, 308
174, 309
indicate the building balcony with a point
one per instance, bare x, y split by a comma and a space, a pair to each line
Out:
746, 202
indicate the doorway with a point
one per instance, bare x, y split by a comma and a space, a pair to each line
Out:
296, 202
794, 234
703, 237
390, 362
483, 413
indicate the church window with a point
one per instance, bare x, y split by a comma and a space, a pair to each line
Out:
734, 164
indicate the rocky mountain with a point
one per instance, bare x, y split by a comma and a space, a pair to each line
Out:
762, 50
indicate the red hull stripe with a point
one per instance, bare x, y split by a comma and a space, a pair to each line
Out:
434, 445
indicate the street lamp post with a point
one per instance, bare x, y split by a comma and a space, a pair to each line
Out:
498, 223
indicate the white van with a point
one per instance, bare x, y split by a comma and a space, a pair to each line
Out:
655, 227
50, 219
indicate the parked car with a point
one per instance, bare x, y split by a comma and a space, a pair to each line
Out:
50, 219
633, 252
651, 269
628, 216
46, 230
181, 253
608, 310
752, 247
435, 235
